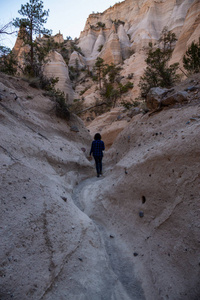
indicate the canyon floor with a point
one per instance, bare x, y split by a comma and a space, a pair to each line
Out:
66, 234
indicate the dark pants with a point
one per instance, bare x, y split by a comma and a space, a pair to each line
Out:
98, 161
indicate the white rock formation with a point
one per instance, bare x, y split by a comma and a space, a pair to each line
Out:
42, 231
144, 21
189, 32
112, 53
57, 68
20, 49
99, 43
77, 60
87, 43
124, 42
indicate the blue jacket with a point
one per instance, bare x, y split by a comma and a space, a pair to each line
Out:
97, 148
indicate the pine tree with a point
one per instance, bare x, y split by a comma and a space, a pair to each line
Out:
158, 73
99, 67
8, 62
191, 59
33, 19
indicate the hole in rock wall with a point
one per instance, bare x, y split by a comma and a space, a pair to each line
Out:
143, 199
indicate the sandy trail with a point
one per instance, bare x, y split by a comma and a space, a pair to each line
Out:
120, 265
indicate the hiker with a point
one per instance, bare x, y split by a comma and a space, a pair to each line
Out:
97, 148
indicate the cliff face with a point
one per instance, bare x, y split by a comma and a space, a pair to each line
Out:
54, 67
136, 24
189, 31
121, 34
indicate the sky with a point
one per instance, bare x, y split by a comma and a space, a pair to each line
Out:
68, 16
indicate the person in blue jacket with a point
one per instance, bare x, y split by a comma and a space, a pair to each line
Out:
97, 149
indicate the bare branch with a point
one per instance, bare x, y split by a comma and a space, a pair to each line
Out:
6, 29
183, 72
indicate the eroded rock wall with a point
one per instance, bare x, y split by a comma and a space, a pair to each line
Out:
149, 201
126, 29
189, 32
41, 161
131, 234
142, 22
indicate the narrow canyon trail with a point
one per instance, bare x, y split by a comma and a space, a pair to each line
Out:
71, 235
122, 283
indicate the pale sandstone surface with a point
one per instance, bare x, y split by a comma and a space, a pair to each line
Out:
19, 43
77, 60
88, 43
57, 68
49, 248
111, 53
20, 49
58, 38
73, 238
89, 95
143, 23
189, 32
38, 156
109, 125
153, 169
98, 44
124, 42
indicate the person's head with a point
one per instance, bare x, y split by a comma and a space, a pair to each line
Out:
97, 137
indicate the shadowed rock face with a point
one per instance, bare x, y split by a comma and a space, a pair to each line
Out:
45, 237
36, 151
149, 200
131, 234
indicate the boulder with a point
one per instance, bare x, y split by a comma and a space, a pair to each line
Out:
177, 97
158, 97
133, 112
154, 97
